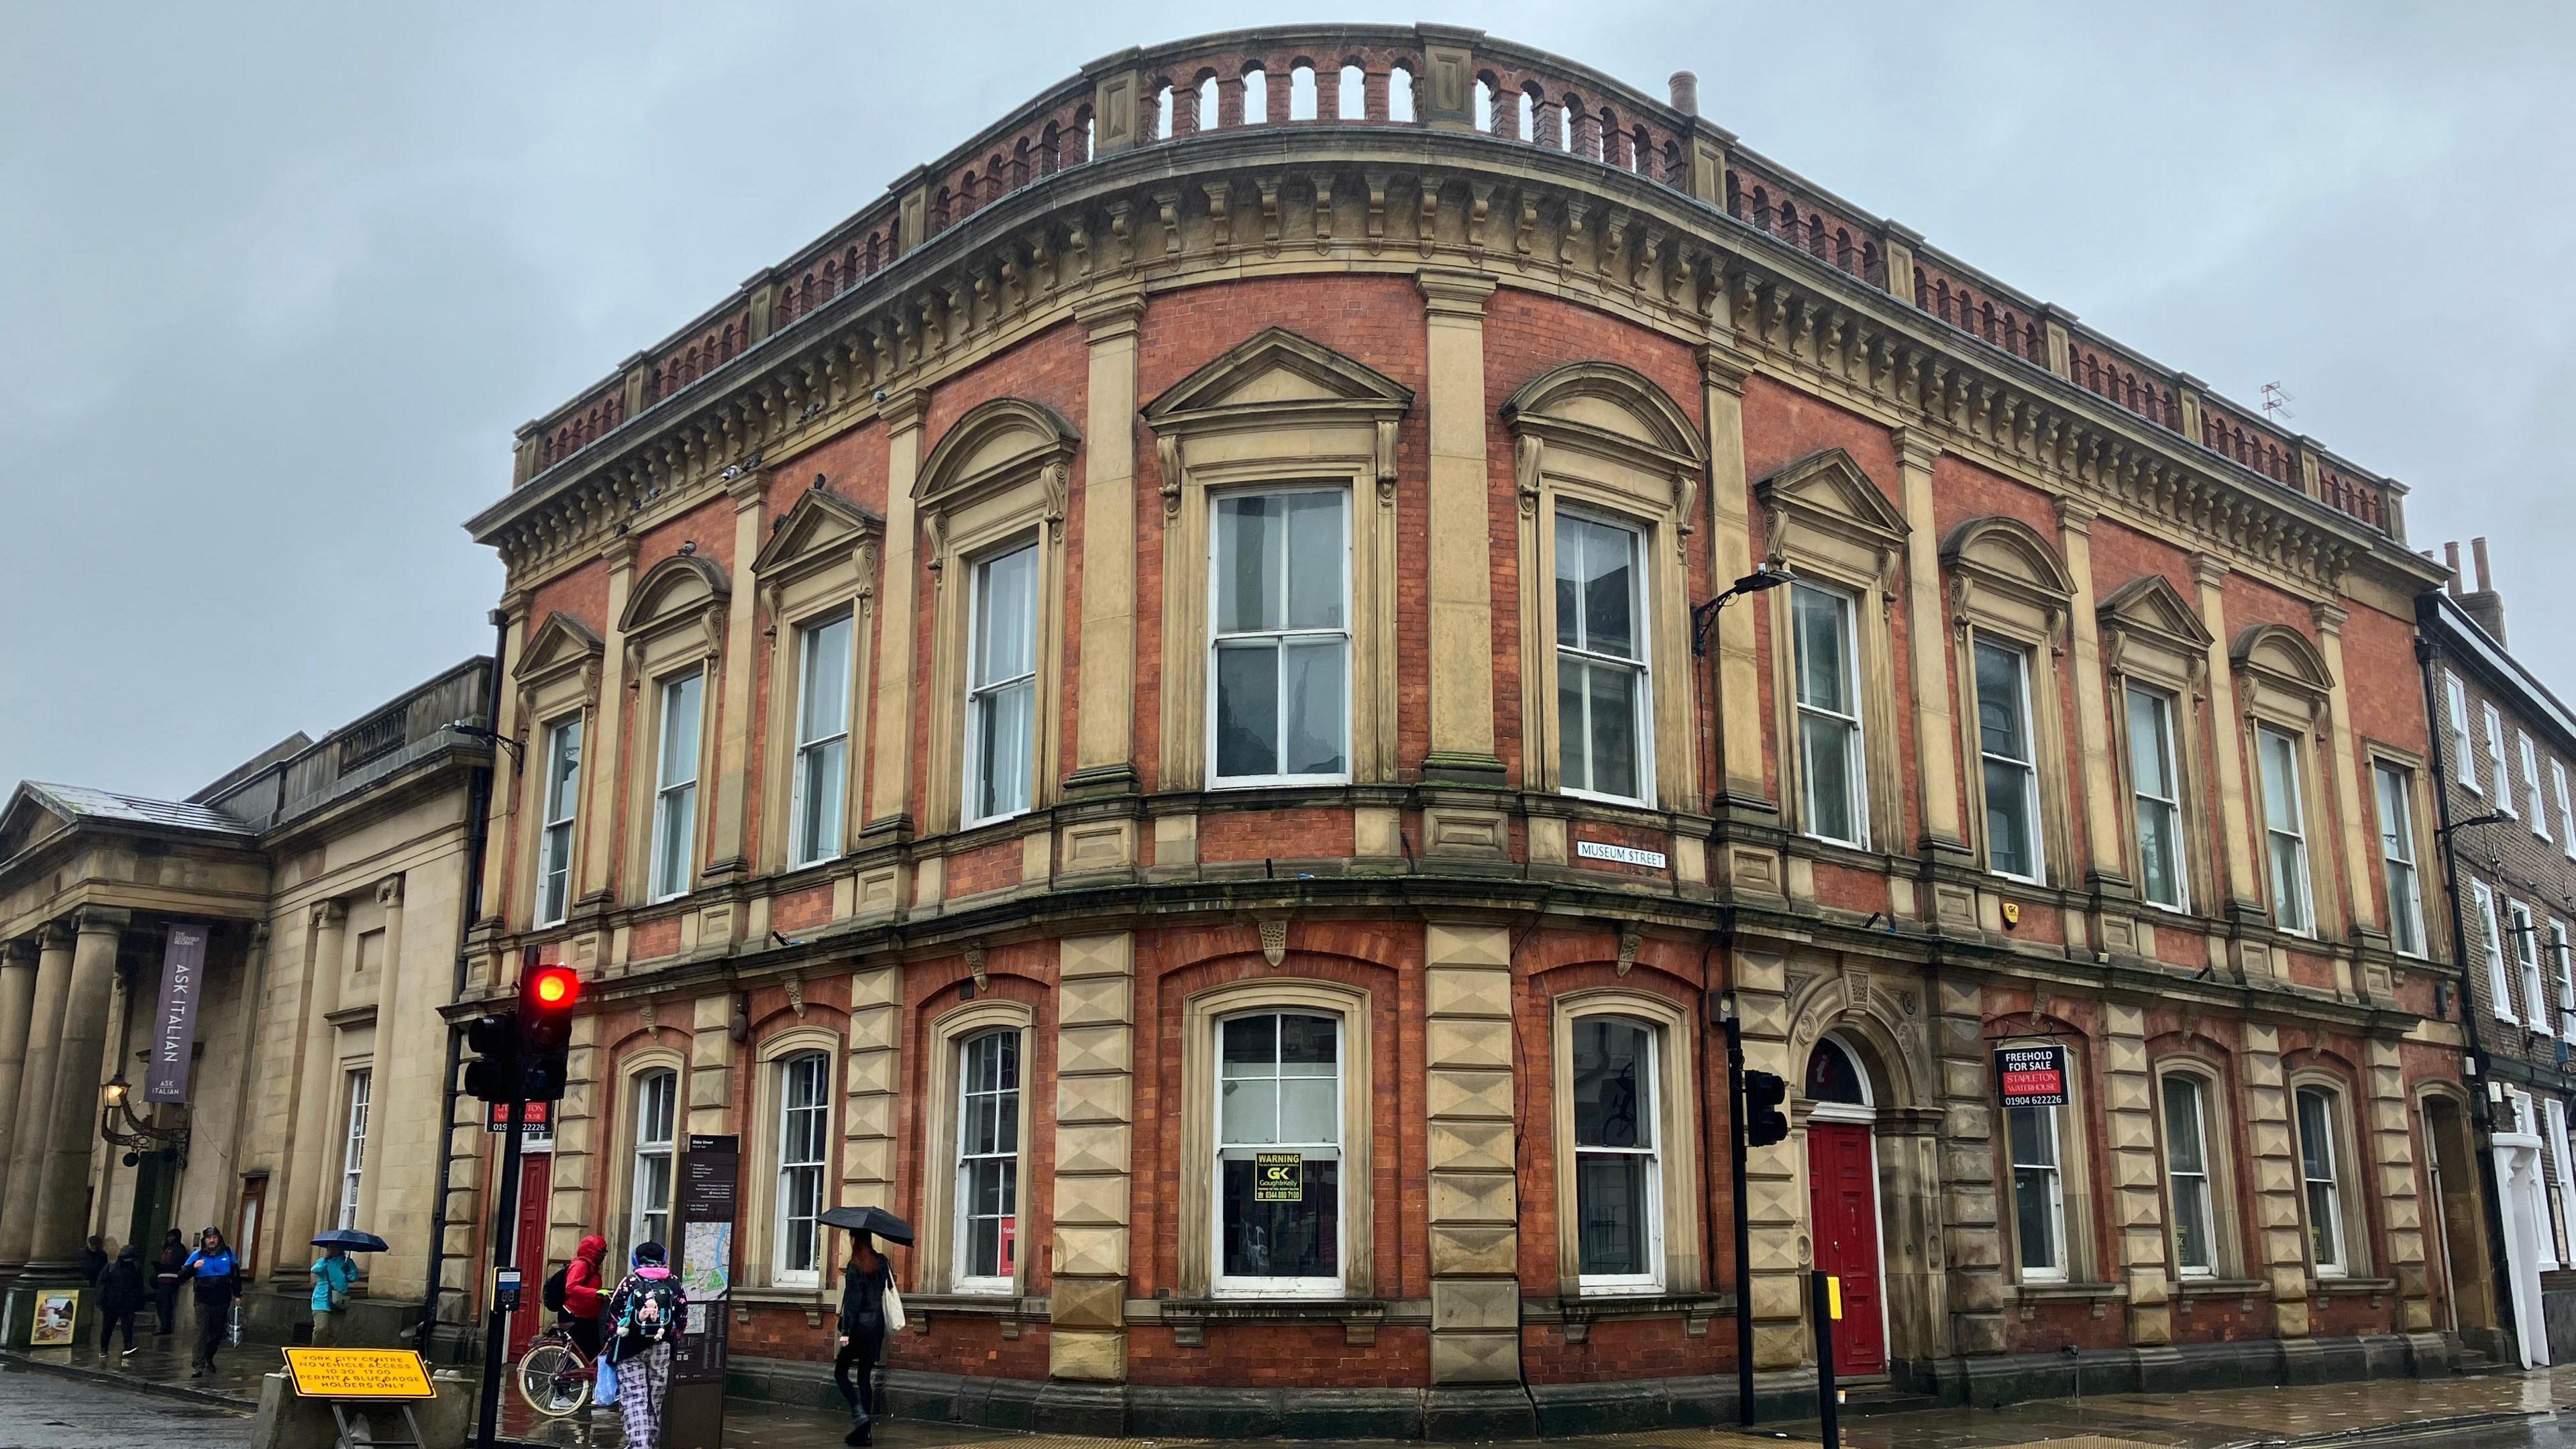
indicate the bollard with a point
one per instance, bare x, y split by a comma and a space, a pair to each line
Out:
1825, 1303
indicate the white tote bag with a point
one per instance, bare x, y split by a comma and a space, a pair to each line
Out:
893, 1308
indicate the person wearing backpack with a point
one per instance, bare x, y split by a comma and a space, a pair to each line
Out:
574, 1294
649, 1312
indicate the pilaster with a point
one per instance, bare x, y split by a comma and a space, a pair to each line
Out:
2278, 1233
2098, 784
2360, 852
1462, 564
1775, 1190
729, 847
603, 762
2137, 1184
1095, 1137
2392, 1158
574, 1184
874, 1076
1928, 649
500, 811
1741, 783
1105, 710
1972, 1239
306, 1135
890, 753
386, 1106
2226, 749
711, 1049
1474, 1189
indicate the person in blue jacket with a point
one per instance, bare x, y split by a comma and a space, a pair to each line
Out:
218, 1275
333, 1274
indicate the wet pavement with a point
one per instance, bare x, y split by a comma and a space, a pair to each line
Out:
2496, 1411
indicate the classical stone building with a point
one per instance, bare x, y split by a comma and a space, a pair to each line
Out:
324, 887
1165, 703
2505, 752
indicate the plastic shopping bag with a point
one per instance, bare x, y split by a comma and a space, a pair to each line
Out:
604, 1392
232, 1333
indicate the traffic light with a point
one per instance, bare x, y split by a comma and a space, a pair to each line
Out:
1764, 1122
546, 998
493, 1075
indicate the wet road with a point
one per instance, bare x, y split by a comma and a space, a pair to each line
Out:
42, 1411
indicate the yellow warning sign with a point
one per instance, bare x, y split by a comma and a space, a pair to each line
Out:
1834, 1298
359, 1373
1278, 1177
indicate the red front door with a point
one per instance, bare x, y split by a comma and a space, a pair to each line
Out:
1843, 1198
536, 1175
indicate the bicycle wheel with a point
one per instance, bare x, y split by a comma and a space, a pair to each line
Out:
554, 1379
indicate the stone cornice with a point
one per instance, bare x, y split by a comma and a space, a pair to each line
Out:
1524, 217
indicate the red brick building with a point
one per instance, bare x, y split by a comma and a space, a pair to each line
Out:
1164, 703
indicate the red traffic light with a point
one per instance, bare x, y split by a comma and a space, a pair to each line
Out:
553, 988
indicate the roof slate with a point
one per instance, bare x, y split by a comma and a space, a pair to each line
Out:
80, 802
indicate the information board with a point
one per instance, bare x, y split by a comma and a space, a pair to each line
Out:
710, 1191
2031, 1076
358, 1373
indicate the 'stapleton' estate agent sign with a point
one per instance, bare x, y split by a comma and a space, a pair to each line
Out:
174, 1027
2032, 1076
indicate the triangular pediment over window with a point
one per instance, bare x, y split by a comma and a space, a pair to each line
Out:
1274, 377
1828, 491
2152, 608
562, 642
821, 524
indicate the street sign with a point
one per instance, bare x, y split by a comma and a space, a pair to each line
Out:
358, 1373
534, 1117
1279, 1177
2031, 1076
709, 1197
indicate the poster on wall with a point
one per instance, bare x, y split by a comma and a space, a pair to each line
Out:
2031, 1076
53, 1326
710, 1177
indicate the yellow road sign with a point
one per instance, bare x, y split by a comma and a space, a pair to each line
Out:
1834, 1297
359, 1373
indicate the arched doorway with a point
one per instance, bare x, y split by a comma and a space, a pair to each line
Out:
1843, 1206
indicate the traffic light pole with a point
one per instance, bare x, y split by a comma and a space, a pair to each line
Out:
1743, 1221
505, 1248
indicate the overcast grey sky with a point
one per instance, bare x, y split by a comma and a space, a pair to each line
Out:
277, 281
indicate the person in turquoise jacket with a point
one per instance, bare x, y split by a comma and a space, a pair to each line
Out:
333, 1274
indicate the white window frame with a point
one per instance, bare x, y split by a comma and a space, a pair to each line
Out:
2051, 1132
1279, 637
2206, 1174
2531, 782
2032, 818
982, 694
2466, 767
2177, 869
559, 808
2525, 931
1650, 1124
1224, 1284
961, 1200
2554, 1116
1856, 765
2300, 890
784, 1217
2499, 983
675, 801
353, 1161
2340, 1265
2565, 971
2566, 815
1641, 710
660, 1088
2504, 801
2394, 786
824, 753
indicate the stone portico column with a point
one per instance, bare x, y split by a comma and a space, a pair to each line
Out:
36, 1092
310, 1139
17, 1003
60, 1221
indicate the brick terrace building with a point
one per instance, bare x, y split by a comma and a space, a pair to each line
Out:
1056, 691
2504, 771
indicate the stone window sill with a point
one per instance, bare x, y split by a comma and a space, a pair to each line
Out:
1579, 1314
812, 1300
1188, 1318
2218, 1287
1012, 1312
2100, 1296
2351, 1287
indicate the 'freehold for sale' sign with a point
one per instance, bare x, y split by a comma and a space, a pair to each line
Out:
2032, 1076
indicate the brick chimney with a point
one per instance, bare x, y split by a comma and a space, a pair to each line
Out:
2483, 603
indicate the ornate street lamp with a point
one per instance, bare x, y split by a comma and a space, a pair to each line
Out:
135, 1133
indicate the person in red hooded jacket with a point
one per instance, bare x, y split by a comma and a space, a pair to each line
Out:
582, 1296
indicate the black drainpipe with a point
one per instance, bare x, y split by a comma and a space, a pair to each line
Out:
477, 839
2428, 654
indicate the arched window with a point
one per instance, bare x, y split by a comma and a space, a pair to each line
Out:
1832, 1076
804, 1144
988, 1162
1279, 1182
656, 1125
1618, 1164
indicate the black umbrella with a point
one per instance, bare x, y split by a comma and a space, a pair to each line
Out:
351, 1239
875, 1220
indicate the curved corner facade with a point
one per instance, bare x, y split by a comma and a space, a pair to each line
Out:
1173, 704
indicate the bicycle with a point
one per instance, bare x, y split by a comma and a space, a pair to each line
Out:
555, 1376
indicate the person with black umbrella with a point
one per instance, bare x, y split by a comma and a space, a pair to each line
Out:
870, 1309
